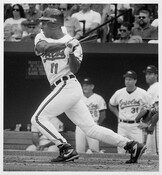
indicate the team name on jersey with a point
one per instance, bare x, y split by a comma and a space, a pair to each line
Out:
130, 103
92, 106
54, 56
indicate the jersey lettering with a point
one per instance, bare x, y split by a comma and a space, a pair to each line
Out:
54, 68
134, 110
130, 103
54, 56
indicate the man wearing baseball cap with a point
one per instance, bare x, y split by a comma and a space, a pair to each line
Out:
126, 103
151, 76
130, 74
151, 69
97, 107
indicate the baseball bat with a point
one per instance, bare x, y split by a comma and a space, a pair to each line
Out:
87, 37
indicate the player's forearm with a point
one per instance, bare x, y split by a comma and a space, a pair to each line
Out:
45, 48
141, 115
74, 63
154, 119
53, 47
102, 116
114, 110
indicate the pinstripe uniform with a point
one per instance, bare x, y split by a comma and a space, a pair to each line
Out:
67, 97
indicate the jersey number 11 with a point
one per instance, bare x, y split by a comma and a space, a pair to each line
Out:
54, 68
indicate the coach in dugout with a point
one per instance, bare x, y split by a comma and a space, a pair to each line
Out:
126, 103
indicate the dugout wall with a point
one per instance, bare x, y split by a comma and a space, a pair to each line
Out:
25, 83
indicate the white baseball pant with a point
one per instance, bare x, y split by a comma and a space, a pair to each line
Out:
131, 131
82, 141
67, 97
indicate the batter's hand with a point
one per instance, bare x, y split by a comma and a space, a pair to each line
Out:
72, 44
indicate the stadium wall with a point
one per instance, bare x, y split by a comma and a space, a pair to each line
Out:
25, 84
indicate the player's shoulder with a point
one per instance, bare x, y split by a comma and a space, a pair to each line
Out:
97, 96
121, 90
140, 89
154, 87
40, 36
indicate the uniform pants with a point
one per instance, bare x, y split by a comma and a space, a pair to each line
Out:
152, 142
67, 97
131, 131
82, 141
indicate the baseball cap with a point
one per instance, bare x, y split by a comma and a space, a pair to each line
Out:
87, 81
53, 15
130, 74
151, 69
30, 22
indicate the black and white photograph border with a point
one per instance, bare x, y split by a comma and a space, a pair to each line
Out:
23, 162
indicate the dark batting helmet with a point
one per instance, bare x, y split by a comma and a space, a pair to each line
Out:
52, 15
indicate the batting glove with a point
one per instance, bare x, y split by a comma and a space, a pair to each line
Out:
71, 44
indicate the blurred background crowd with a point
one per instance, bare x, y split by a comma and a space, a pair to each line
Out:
114, 23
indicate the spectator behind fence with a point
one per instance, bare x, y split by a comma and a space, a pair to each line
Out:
124, 33
18, 16
92, 19
32, 13
144, 28
8, 33
33, 28
109, 31
71, 24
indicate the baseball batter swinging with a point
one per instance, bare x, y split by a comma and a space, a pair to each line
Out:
61, 57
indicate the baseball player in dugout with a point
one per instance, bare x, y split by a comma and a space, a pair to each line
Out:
97, 107
150, 115
61, 56
126, 103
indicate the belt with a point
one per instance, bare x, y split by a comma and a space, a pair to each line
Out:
128, 121
64, 78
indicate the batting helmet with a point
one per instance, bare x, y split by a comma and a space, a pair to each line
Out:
53, 15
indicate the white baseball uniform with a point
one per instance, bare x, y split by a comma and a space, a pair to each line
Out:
95, 104
67, 97
153, 139
44, 140
129, 106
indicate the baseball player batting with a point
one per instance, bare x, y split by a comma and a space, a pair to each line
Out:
61, 57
